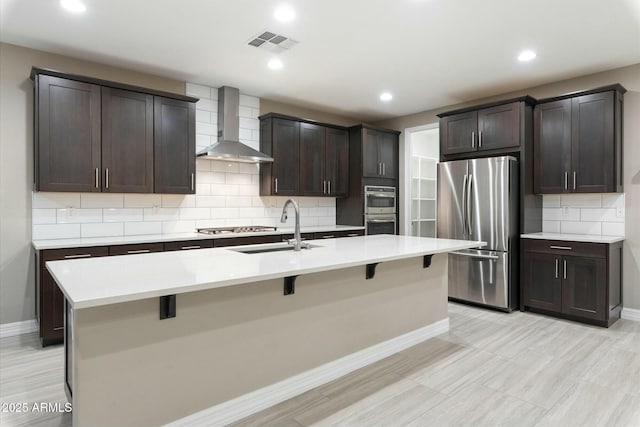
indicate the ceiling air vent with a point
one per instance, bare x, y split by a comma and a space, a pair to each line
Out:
272, 42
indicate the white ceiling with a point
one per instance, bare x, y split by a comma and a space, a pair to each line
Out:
428, 53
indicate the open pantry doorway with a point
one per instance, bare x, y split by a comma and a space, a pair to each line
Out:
422, 151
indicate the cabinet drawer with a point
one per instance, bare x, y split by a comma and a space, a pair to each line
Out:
562, 247
251, 240
188, 245
74, 253
142, 248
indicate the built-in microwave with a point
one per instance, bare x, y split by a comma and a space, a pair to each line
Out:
379, 200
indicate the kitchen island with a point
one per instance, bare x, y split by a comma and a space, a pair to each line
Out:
154, 338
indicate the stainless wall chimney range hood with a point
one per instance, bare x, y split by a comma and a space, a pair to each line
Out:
229, 148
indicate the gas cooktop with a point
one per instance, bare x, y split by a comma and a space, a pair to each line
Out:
240, 229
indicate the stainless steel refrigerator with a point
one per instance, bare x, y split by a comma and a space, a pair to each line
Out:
478, 200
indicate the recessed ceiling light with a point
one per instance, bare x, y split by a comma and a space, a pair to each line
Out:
386, 97
526, 55
284, 13
275, 64
75, 6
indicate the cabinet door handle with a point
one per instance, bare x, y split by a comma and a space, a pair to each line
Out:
193, 181
564, 267
97, 177
191, 247
564, 248
106, 178
77, 256
352, 235
379, 168
324, 187
329, 187
574, 179
328, 236
138, 251
384, 169
276, 185
473, 139
480, 139
566, 180
556, 268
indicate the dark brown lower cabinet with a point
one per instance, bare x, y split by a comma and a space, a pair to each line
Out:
50, 299
187, 245
248, 240
575, 280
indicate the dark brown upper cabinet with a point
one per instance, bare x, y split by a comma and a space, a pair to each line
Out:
67, 135
127, 141
379, 154
280, 139
578, 142
174, 146
487, 129
310, 158
94, 135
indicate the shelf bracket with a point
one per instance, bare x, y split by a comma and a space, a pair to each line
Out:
167, 306
290, 285
371, 271
426, 261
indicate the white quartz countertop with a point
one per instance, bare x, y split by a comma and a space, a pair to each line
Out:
93, 282
152, 238
573, 237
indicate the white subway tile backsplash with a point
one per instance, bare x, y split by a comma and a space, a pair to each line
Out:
182, 226
142, 200
102, 229
581, 200
195, 213
55, 231
576, 227
219, 166
178, 201
122, 215
206, 129
249, 101
43, 216
613, 229
551, 226
227, 194
101, 200
238, 178
161, 214
603, 215
55, 200
197, 91
593, 214
210, 201
78, 216
208, 104
551, 201
141, 228
203, 116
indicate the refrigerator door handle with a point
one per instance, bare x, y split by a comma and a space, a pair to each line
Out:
469, 187
464, 204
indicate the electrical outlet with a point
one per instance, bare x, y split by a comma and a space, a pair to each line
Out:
619, 212
565, 210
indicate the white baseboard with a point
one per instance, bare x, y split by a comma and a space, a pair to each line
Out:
18, 328
630, 314
255, 401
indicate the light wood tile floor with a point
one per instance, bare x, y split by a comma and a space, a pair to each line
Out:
491, 369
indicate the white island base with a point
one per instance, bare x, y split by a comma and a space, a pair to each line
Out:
232, 351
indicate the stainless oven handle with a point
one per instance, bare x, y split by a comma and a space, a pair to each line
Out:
383, 195
493, 257
382, 220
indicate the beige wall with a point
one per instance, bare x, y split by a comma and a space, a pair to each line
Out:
226, 342
629, 77
17, 276
269, 106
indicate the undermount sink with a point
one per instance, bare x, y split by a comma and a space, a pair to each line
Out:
270, 247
